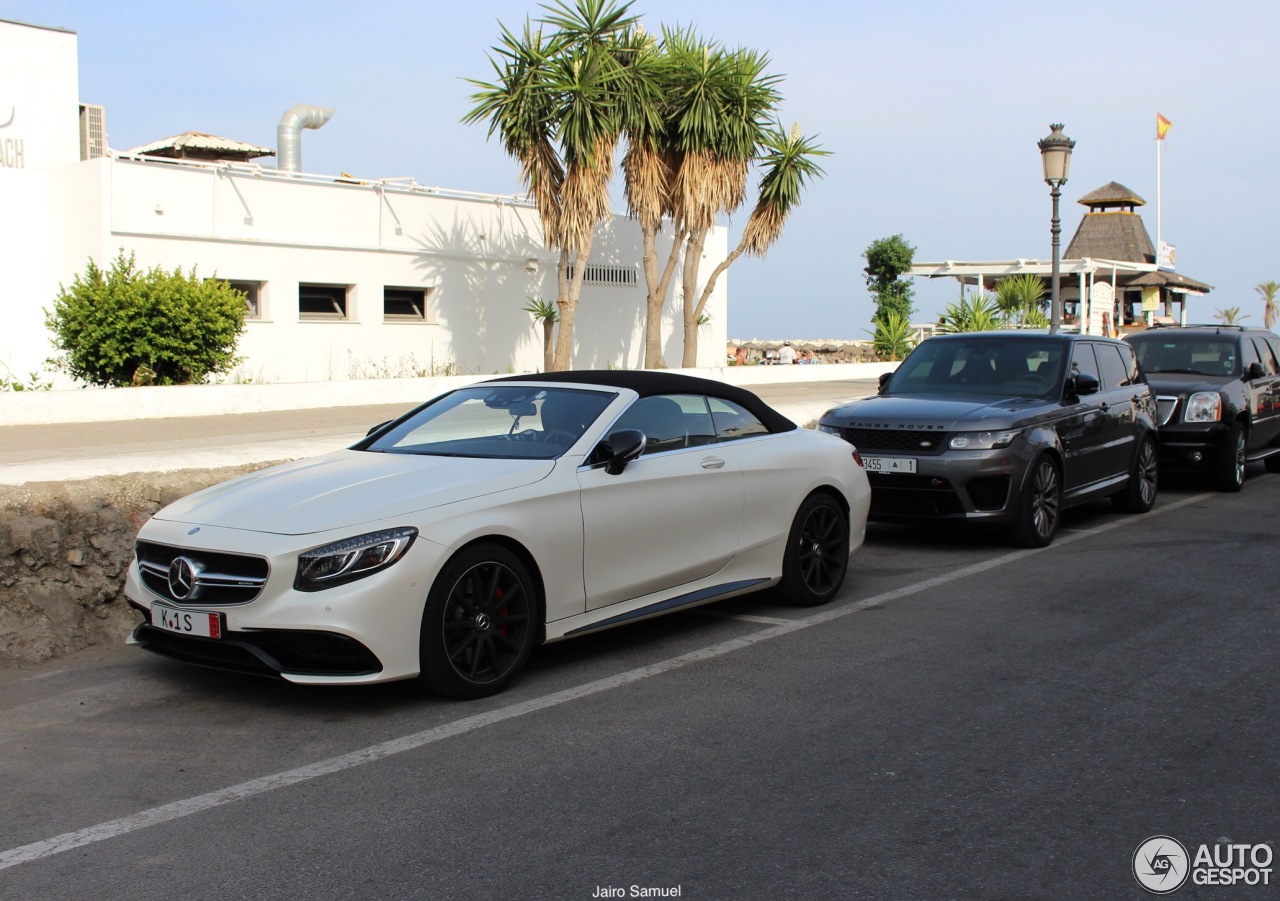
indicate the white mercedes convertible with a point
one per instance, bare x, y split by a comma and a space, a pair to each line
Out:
450, 542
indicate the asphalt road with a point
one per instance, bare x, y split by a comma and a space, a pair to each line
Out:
964, 721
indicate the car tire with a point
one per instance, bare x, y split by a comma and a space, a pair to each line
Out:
1229, 475
479, 623
817, 553
1139, 494
1040, 505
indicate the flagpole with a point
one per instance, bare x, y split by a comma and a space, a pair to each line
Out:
1159, 234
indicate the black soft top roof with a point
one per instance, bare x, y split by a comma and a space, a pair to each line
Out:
648, 382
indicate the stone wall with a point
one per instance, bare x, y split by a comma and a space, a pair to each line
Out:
64, 549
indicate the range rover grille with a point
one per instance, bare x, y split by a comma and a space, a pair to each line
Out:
900, 441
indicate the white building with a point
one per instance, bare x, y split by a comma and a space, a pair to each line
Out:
347, 278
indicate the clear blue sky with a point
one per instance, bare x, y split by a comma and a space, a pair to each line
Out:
931, 109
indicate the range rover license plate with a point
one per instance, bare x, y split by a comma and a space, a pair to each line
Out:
889, 464
186, 622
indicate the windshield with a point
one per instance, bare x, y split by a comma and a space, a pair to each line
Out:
1188, 354
988, 365
507, 422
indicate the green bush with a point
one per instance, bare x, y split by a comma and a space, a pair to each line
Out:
125, 327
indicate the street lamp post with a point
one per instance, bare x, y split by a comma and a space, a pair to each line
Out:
1055, 154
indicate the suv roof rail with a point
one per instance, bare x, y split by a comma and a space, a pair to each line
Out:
1215, 325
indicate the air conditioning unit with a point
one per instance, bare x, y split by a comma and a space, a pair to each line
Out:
93, 131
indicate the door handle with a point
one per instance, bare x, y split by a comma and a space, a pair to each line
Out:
712, 463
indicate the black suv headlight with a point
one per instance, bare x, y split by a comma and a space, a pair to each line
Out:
983, 440
351, 559
1203, 406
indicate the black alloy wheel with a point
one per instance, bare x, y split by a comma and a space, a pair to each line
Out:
1040, 506
478, 626
817, 553
1139, 493
1229, 476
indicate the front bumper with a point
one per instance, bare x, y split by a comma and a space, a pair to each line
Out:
363, 631
1194, 447
953, 486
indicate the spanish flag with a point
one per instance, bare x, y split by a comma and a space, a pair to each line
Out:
1162, 127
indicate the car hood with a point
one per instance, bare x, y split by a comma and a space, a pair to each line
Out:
935, 411
1184, 382
346, 488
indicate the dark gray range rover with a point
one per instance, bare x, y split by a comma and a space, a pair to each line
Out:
1006, 427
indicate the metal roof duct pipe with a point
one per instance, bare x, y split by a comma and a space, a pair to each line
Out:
289, 133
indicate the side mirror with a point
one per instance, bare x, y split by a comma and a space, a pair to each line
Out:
621, 448
1082, 385
1255, 371
376, 428
885, 378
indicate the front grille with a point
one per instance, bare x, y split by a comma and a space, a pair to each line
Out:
988, 492
1165, 408
222, 578
913, 495
899, 441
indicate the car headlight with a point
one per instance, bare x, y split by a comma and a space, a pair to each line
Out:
1203, 406
983, 440
354, 558
829, 429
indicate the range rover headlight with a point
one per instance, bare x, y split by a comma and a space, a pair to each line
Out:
983, 440
1203, 406
829, 429
354, 558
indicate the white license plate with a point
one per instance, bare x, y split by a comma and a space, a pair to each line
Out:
889, 464
186, 622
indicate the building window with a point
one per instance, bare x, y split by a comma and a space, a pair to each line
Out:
614, 276
405, 304
328, 302
252, 292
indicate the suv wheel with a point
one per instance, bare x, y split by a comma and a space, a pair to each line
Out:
1229, 476
1040, 506
1139, 494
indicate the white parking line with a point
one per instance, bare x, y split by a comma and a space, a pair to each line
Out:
188, 806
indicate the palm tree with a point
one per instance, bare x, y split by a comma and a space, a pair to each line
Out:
546, 314
557, 106
1018, 298
976, 312
892, 338
1230, 316
789, 163
1270, 305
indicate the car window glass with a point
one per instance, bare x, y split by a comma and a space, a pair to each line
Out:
732, 421
669, 422
980, 365
1248, 356
1083, 361
1111, 365
1190, 354
1134, 375
1265, 355
1274, 344
497, 421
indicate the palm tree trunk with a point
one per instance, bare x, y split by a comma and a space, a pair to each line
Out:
657, 296
692, 263
568, 301
548, 344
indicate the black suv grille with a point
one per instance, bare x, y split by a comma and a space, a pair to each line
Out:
900, 441
222, 579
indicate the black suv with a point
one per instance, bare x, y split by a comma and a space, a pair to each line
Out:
1006, 427
1218, 398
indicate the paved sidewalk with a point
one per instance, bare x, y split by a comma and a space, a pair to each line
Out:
72, 451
